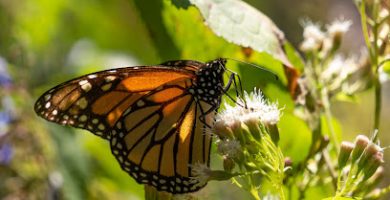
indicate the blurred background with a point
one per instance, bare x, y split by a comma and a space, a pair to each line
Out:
45, 42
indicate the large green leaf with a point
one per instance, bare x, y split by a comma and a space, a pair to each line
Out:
295, 137
243, 25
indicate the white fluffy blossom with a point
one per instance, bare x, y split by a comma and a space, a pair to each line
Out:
338, 27
229, 148
256, 108
313, 37
201, 173
340, 67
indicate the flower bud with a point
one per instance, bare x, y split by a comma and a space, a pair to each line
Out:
288, 162
237, 131
252, 148
228, 164
324, 142
246, 133
222, 130
253, 126
372, 165
377, 177
345, 152
361, 143
229, 148
274, 133
370, 151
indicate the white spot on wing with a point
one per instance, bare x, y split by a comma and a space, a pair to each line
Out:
92, 76
47, 97
106, 86
82, 103
83, 118
109, 78
140, 103
86, 87
101, 127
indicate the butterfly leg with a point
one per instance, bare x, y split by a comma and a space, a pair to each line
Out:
205, 113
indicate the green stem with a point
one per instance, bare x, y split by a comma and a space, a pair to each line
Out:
253, 189
378, 104
254, 193
152, 194
281, 192
328, 118
363, 20
329, 165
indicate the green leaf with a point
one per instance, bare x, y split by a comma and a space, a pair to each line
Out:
240, 23
194, 40
151, 16
336, 126
347, 98
295, 137
293, 56
181, 3
341, 198
386, 67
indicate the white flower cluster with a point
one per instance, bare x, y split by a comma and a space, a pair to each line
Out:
316, 39
257, 108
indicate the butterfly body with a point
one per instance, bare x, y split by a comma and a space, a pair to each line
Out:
154, 116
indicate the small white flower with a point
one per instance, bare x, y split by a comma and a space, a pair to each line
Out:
340, 67
257, 109
313, 31
310, 44
230, 116
229, 148
267, 112
201, 173
313, 37
338, 27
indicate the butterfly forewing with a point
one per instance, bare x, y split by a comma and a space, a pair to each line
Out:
96, 101
154, 116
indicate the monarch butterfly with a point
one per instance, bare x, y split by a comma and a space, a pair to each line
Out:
153, 116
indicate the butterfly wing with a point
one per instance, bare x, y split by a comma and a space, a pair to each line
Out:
96, 101
151, 115
158, 140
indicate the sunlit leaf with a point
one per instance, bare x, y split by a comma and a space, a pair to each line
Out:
293, 56
347, 98
295, 137
242, 24
326, 129
341, 198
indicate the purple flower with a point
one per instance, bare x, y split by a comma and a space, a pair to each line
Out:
5, 119
6, 153
5, 78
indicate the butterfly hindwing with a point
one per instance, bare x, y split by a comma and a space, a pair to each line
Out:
159, 148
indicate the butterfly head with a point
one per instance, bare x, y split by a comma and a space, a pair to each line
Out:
209, 84
218, 65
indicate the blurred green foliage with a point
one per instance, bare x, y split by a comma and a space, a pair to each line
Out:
47, 42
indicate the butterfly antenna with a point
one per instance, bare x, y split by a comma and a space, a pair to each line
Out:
254, 65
